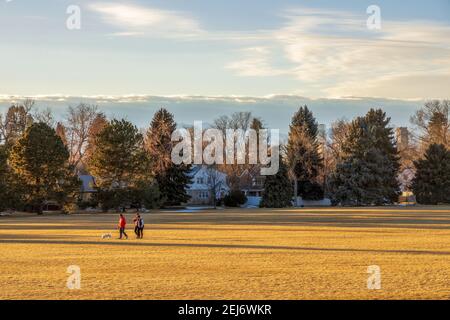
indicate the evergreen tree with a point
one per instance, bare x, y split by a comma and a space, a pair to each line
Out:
61, 132
97, 125
303, 154
358, 181
39, 159
431, 184
368, 173
11, 188
4, 172
119, 163
159, 140
172, 179
277, 189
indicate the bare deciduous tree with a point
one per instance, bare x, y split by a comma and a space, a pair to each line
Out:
16, 120
78, 125
214, 182
44, 116
237, 121
433, 123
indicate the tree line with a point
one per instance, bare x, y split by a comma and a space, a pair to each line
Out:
361, 161
41, 159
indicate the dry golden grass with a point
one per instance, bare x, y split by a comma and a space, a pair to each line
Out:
225, 254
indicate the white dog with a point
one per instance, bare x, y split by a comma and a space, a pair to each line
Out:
107, 236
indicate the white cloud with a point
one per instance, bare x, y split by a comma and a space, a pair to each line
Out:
255, 62
134, 20
334, 54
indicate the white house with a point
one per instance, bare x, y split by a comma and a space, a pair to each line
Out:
87, 186
204, 180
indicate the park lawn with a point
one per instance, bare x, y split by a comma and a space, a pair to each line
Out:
231, 254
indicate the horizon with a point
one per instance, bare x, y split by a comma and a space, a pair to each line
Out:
275, 111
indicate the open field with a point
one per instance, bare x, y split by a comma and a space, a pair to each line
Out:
231, 254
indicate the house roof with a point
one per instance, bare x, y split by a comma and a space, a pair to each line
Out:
194, 170
87, 183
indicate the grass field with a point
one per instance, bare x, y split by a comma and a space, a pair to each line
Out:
226, 254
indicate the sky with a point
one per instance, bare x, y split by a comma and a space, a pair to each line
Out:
258, 50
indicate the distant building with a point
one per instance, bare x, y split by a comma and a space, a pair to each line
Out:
203, 180
402, 136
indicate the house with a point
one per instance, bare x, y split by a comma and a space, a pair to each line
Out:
251, 182
204, 179
87, 187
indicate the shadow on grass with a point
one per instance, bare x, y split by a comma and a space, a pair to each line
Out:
217, 246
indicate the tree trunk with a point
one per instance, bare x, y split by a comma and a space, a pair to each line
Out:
40, 209
295, 193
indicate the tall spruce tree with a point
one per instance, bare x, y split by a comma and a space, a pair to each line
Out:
39, 159
368, 172
172, 179
277, 189
303, 154
431, 184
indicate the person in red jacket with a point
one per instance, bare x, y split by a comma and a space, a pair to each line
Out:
122, 225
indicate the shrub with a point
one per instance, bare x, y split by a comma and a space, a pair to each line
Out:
310, 190
235, 198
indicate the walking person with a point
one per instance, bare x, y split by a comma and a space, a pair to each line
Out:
122, 225
141, 226
137, 229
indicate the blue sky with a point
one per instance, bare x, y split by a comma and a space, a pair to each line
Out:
203, 47
313, 49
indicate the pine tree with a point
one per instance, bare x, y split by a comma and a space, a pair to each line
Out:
358, 181
4, 190
172, 179
39, 159
303, 154
119, 163
61, 132
431, 184
97, 125
368, 173
277, 189
159, 140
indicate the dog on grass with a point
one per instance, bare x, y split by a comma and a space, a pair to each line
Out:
106, 236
